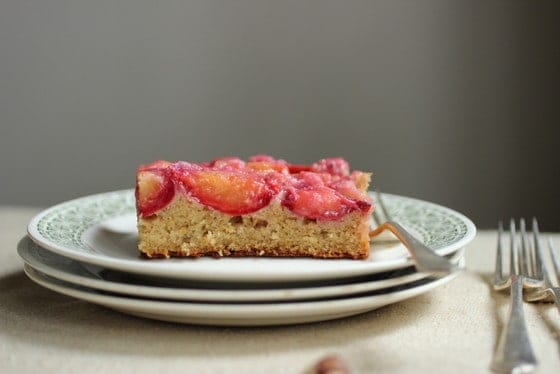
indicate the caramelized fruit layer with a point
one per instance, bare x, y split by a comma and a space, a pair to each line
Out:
325, 190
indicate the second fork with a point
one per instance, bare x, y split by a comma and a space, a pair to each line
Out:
514, 352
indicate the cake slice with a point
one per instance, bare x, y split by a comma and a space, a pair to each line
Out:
262, 207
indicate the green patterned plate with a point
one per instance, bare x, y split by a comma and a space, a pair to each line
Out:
100, 230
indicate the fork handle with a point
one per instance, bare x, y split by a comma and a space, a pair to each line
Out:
514, 352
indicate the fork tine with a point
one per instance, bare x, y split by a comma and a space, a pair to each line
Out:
524, 257
498, 273
537, 250
383, 207
376, 217
555, 261
513, 262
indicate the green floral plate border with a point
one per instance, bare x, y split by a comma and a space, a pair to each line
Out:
62, 229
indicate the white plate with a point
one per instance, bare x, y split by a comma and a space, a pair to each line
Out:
241, 314
77, 229
71, 271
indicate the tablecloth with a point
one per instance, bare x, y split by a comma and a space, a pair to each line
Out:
452, 329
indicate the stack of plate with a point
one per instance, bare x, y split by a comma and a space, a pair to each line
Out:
86, 248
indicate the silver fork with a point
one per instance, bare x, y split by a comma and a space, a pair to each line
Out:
514, 352
547, 278
426, 260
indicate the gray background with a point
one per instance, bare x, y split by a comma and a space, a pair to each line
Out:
451, 101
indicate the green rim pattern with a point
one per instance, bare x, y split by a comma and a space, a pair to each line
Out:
66, 223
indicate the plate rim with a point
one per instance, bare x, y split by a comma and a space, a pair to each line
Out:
128, 265
243, 314
278, 293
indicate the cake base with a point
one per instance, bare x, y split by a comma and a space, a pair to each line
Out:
186, 228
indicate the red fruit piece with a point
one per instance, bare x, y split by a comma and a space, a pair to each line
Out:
321, 203
309, 179
227, 163
159, 164
334, 166
154, 190
181, 168
347, 187
266, 166
294, 169
229, 192
278, 181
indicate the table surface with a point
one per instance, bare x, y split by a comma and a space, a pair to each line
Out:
453, 328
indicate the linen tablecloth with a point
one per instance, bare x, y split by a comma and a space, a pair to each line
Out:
452, 329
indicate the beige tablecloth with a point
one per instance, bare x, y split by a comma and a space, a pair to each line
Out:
452, 329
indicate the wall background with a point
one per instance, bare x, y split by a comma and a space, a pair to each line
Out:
456, 102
